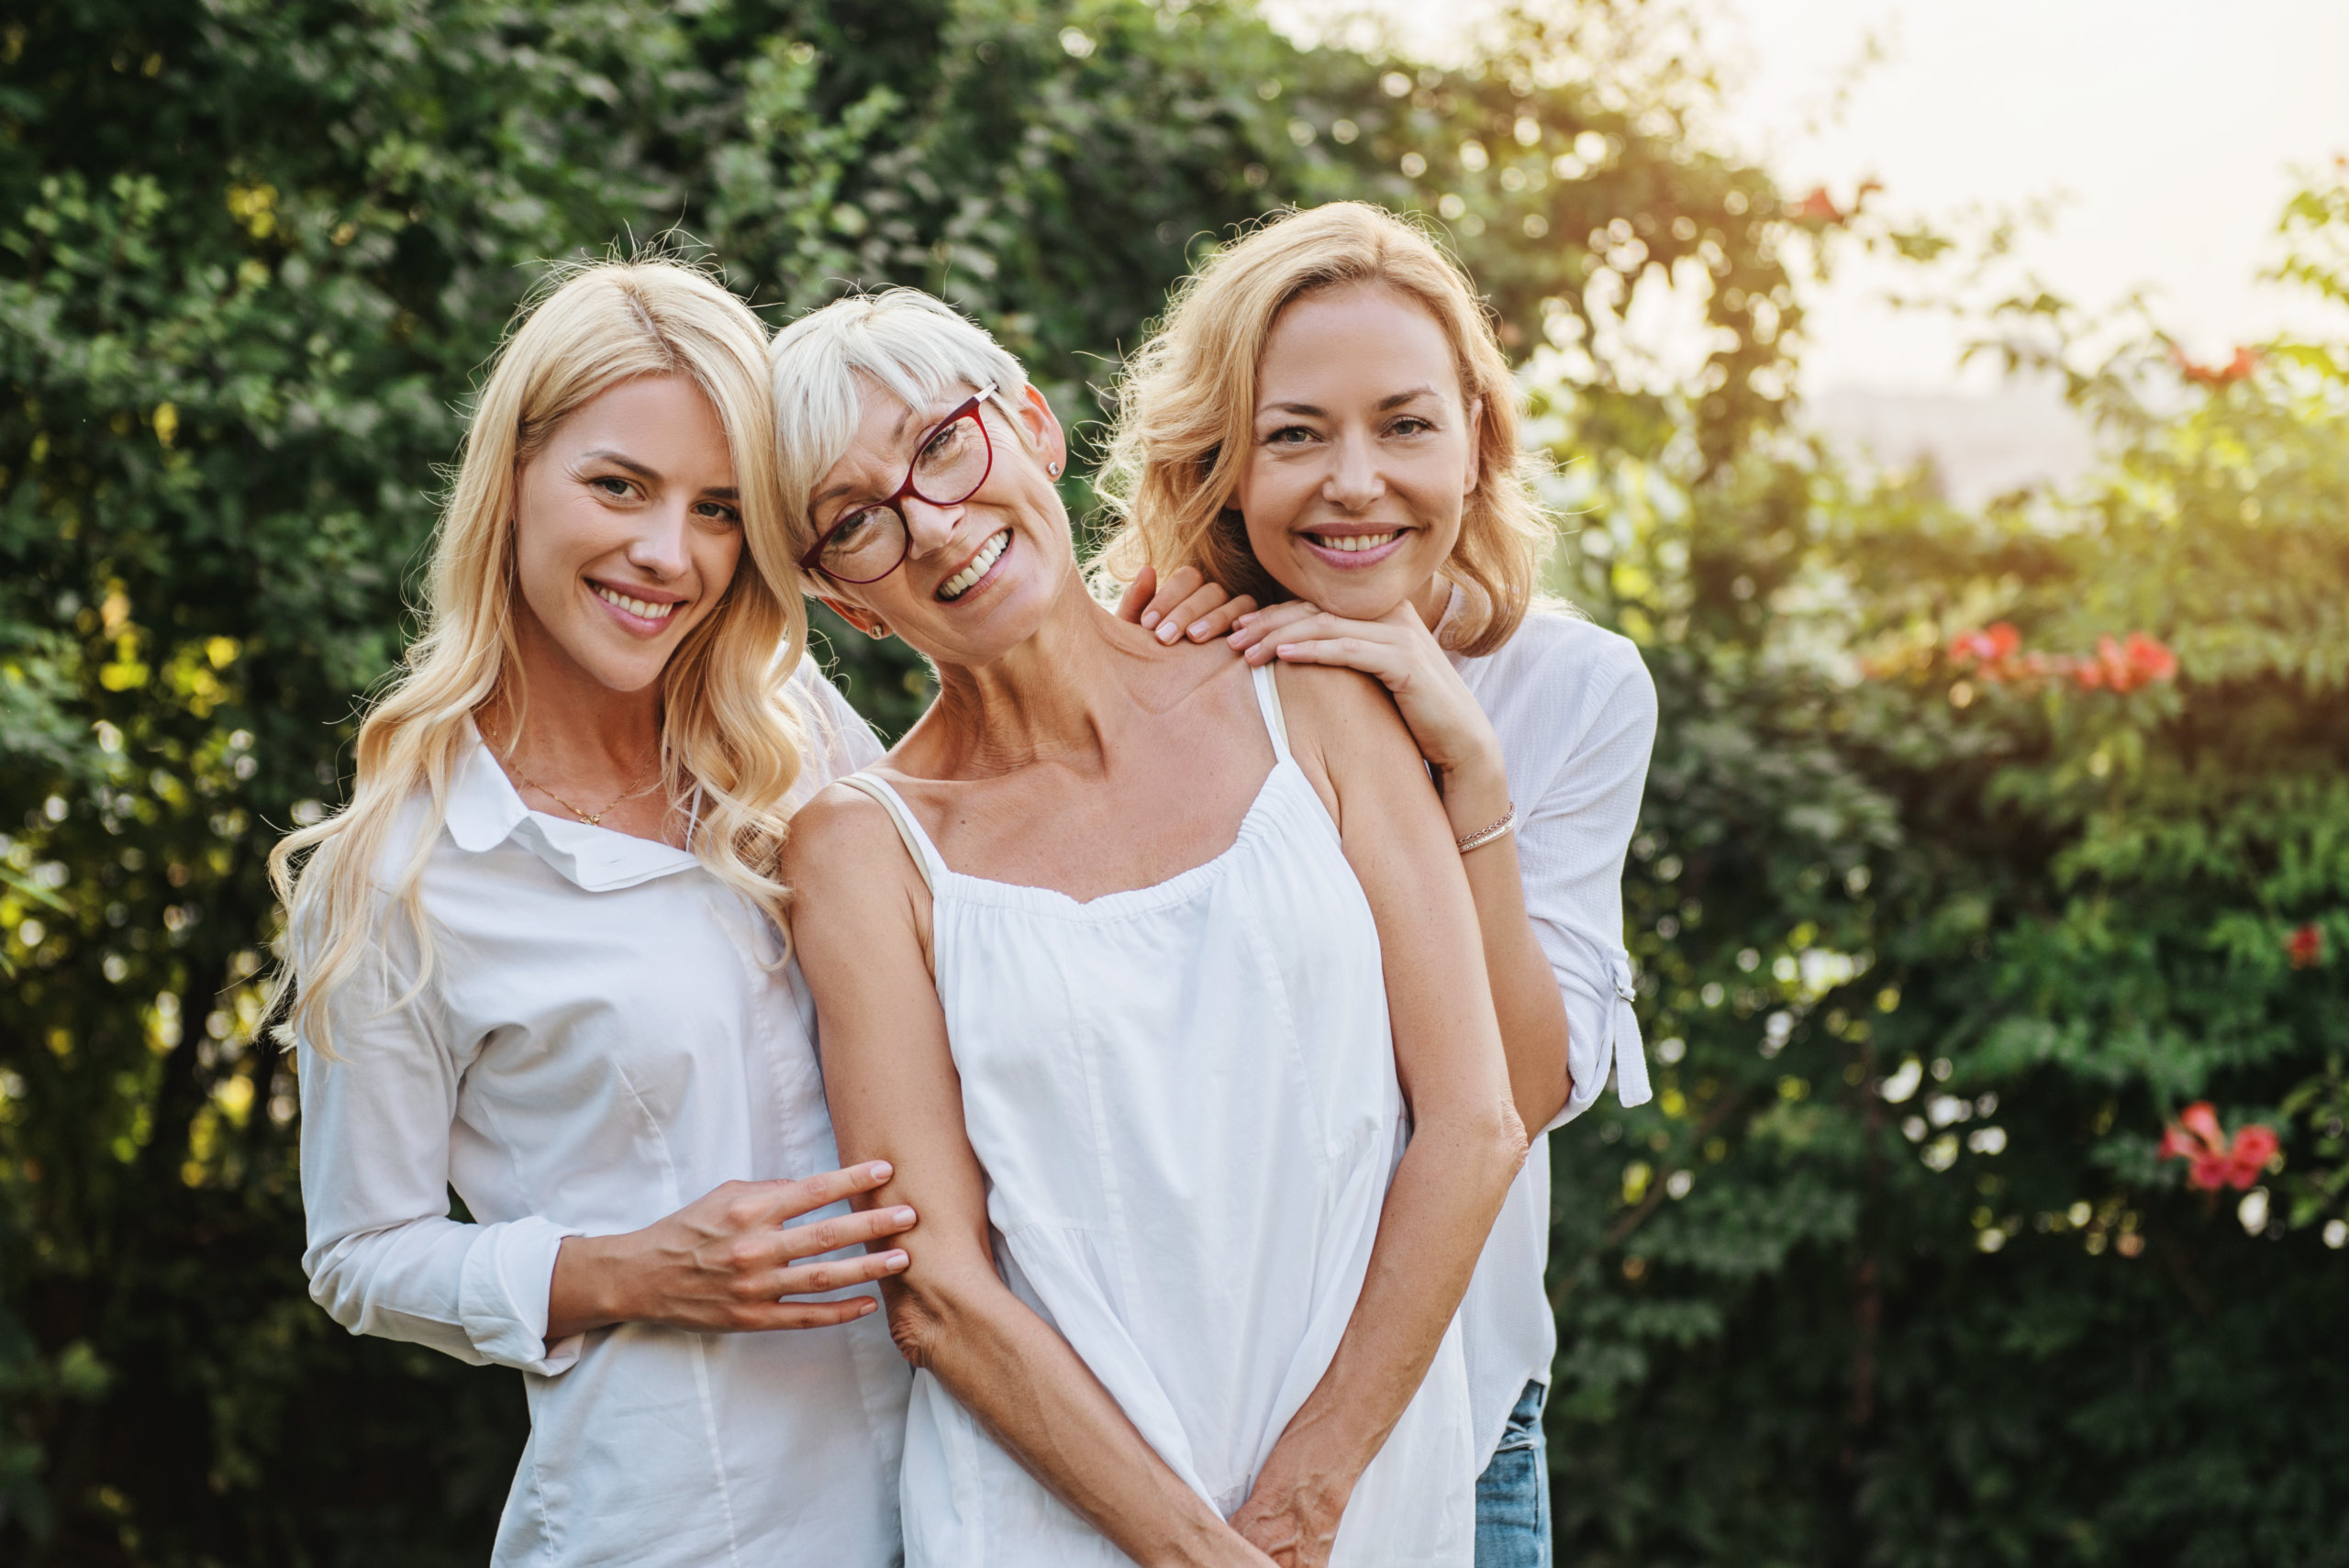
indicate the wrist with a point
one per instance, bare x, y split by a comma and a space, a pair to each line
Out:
590, 1278
1476, 793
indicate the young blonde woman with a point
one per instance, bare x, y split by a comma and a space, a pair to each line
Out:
536, 960
1324, 417
1132, 962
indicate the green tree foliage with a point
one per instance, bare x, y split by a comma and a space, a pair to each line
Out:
1937, 934
251, 259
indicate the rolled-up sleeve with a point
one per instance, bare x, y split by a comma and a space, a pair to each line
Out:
1571, 847
384, 1255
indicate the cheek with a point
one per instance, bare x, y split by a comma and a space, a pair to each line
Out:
544, 558
716, 556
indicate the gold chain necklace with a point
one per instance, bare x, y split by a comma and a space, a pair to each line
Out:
592, 819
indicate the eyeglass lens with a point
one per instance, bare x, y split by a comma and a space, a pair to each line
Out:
951, 466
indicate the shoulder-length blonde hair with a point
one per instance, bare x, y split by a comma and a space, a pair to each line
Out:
725, 726
1186, 403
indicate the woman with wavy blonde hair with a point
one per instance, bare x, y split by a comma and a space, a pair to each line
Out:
536, 960
1324, 417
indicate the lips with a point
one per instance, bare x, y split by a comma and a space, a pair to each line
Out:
1356, 548
975, 570
638, 613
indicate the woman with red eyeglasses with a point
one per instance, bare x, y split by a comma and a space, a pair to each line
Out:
1134, 965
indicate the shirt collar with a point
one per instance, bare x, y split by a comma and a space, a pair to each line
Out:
485, 811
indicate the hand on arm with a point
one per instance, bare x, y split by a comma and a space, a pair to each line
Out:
1467, 1140
859, 929
1456, 738
1186, 603
727, 1261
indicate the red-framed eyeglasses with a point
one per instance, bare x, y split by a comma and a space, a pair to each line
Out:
953, 458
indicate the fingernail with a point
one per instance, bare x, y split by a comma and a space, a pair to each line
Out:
902, 1216
1285, 648
879, 1170
865, 1307
1149, 618
1169, 632
1199, 629
896, 1261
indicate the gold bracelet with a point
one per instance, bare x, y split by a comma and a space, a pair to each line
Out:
1484, 836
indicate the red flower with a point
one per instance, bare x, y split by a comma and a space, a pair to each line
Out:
2197, 1137
2305, 947
2237, 369
2124, 666
1988, 646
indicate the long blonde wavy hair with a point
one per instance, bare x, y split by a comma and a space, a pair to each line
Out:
725, 726
1186, 405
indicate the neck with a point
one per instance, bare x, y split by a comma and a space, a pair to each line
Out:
566, 722
1433, 597
1052, 697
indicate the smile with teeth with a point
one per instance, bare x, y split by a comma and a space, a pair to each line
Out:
954, 587
643, 608
1351, 543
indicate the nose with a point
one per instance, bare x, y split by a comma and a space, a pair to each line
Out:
929, 525
1355, 482
659, 547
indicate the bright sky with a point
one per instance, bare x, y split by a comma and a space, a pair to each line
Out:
2165, 130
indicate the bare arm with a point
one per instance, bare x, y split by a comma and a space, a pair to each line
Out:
1467, 1140
859, 925
1452, 733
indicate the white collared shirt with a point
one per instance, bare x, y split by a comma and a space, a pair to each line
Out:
604, 1036
1575, 710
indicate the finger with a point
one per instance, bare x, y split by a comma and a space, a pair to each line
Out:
769, 1316
1218, 621
804, 1196
1321, 627
1351, 652
1137, 595
831, 1274
1192, 614
1163, 616
841, 1230
1249, 629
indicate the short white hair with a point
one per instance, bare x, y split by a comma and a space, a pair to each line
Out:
919, 348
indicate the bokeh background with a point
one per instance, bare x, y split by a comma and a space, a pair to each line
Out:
1999, 817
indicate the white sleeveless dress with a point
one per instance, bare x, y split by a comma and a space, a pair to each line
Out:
1185, 1100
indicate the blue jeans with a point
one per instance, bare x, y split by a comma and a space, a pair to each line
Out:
1513, 1495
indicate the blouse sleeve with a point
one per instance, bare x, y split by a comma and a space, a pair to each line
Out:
384, 1256
1571, 846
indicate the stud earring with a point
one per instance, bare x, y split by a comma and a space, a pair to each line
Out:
1054, 469
878, 632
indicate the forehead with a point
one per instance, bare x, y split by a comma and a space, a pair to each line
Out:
1355, 335
649, 411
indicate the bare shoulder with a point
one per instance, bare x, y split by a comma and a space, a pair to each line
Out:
1340, 713
838, 842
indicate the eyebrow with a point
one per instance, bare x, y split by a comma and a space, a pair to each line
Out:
622, 459
1395, 401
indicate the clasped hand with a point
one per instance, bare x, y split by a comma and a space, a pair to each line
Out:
1402, 654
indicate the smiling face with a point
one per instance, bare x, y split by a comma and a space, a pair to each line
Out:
1362, 452
627, 532
978, 575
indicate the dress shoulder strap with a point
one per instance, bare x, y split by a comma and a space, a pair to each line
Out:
1268, 698
917, 844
